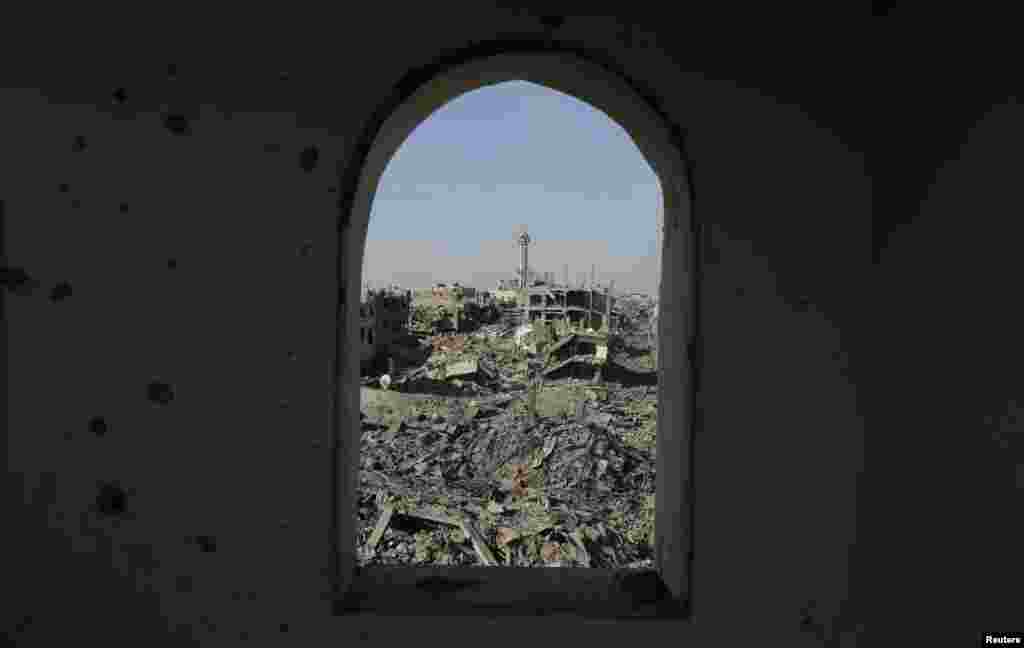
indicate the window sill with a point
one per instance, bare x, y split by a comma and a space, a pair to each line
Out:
511, 591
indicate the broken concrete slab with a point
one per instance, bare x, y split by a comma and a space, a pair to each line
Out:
464, 368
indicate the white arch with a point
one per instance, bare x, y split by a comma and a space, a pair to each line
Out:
608, 93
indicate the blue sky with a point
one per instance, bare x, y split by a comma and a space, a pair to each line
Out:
452, 198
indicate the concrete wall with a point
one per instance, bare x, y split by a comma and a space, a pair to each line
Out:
935, 551
169, 438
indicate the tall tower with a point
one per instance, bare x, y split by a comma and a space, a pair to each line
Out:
524, 242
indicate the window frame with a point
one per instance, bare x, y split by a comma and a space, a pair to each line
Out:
662, 147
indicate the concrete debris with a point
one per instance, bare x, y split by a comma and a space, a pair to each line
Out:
464, 369
501, 449
494, 331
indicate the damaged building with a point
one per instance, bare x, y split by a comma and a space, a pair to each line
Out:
583, 308
580, 308
536, 296
454, 290
457, 308
383, 320
578, 355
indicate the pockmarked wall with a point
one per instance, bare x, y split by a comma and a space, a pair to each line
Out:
171, 345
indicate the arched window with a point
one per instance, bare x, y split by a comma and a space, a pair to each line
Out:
660, 147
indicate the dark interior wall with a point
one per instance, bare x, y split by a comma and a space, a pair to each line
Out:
779, 437
857, 437
945, 463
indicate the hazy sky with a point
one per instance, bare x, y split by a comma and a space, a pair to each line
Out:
452, 198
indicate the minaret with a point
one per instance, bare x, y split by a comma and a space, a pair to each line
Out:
524, 242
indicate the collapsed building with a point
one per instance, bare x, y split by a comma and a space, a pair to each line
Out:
455, 290
456, 309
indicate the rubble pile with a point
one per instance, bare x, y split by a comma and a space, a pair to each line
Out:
488, 462
448, 343
483, 484
500, 329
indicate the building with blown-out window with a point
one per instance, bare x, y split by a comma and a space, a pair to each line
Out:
383, 318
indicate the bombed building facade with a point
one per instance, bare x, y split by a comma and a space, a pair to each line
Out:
537, 296
383, 318
589, 308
